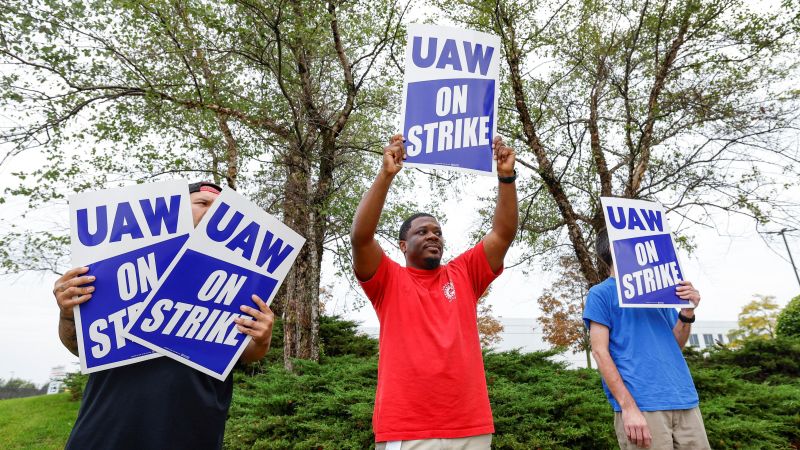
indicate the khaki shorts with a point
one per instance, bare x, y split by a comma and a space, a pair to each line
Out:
482, 442
675, 429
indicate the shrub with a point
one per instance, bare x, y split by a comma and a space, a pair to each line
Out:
75, 383
775, 360
789, 320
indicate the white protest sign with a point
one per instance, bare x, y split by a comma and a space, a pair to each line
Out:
449, 111
645, 261
127, 237
237, 250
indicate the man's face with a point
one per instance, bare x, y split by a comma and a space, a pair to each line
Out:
201, 201
424, 244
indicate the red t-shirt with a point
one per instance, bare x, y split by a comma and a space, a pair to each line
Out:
431, 382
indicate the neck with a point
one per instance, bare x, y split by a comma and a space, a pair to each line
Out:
425, 264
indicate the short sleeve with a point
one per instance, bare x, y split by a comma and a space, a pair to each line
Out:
596, 309
478, 269
375, 287
672, 316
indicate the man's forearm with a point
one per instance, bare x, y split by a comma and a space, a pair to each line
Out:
368, 214
254, 352
67, 334
506, 212
682, 331
610, 373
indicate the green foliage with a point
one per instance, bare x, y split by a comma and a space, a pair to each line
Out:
42, 422
321, 405
75, 383
339, 337
771, 361
537, 403
789, 320
17, 383
749, 399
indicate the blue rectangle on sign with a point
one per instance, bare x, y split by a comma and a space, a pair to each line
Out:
449, 122
192, 313
648, 270
121, 283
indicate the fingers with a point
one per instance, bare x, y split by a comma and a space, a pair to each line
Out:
70, 303
69, 290
638, 437
648, 439
260, 326
71, 273
500, 151
396, 150
687, 291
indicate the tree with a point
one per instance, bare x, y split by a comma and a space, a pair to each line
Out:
562, 310
788, 324
489, 328
757, 320
684, 102
17, 383
280, 99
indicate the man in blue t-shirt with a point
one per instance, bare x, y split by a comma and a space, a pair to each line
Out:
645, 377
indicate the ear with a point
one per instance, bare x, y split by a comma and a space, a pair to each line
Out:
402, 245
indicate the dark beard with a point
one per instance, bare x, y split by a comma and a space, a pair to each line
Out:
431, 263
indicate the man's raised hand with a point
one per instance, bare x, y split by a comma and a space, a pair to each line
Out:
393, 155
505, 157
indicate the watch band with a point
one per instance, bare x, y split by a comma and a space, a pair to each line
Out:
510, 179
685, 319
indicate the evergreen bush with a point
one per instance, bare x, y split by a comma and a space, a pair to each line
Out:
788, 325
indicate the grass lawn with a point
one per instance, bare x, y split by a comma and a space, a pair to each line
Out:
42, 422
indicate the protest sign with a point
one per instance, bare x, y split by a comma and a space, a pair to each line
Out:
236, 250
647, 267
127, 237
449, 111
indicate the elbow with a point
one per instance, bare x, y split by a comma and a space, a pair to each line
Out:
600, 355
356, 240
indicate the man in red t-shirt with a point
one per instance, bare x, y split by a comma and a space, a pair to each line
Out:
431, 384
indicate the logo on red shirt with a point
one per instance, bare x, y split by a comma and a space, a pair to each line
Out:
449, 291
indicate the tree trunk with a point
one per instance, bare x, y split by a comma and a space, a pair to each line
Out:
301, 300
588, 358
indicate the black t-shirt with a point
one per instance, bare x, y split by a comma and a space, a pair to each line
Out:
154, 404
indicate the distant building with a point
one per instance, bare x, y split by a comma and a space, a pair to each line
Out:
526, 335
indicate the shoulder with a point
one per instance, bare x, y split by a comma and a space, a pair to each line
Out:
603, 291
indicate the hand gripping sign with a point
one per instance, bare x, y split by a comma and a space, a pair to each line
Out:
236, 251
646, 264
450, 98
127, 237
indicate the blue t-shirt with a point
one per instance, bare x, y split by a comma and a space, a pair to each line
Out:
644, 349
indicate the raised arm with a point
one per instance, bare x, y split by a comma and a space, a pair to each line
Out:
69, 290
632, 418
367, 253
506, 212
682, 330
